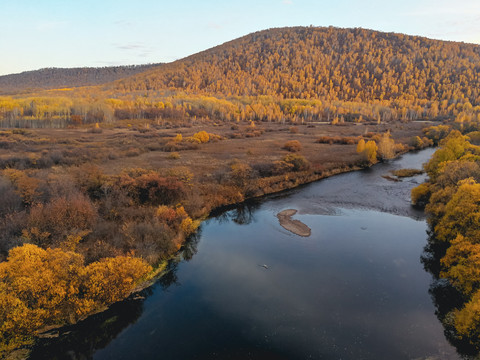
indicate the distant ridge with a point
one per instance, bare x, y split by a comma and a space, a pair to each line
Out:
54, 78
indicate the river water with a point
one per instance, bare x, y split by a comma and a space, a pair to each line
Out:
246, 288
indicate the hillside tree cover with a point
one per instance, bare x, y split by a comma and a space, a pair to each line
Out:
287, 74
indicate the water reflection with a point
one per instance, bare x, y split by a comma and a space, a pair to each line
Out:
190, 248
446, 298
241, 214
82, 340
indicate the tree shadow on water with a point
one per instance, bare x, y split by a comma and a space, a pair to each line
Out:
240, 214
82, 340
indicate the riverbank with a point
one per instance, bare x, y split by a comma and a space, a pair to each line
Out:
141, 189
358, 265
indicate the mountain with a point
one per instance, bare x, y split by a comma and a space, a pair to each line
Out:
54, 78
325, 63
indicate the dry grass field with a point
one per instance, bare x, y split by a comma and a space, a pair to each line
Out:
114, 149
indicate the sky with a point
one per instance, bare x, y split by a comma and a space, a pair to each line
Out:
95, 33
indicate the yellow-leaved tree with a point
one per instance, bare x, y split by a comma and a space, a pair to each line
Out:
368, 150
39, 288
462, 214
386, 147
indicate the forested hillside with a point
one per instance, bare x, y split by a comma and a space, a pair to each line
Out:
295, 75
52, 78
326, 63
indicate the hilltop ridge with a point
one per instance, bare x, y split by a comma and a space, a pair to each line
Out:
52, 78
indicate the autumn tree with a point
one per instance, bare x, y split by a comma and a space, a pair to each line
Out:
462, 215
361, 146
45, 287
453, 195
386, 147
453, 147
369, 151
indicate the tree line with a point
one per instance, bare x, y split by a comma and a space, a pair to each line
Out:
451, 197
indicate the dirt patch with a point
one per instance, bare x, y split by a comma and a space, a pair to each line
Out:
294, 226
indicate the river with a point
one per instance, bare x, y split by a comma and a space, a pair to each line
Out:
246, 288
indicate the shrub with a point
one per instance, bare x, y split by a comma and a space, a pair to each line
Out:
361, 146
437, 133
293, 146
201, 137
240, 173
149, 239
132, 152
96, 129
11, 201
174, 155
52, 222
27, 187
345, 140
148, 187
474, 137
171, 146
420, 195
189, 226
298, 161
166, 214
407, 172
91, 180
416, 142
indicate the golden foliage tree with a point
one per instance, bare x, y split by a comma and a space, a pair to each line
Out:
462, 214
361, 146
369, 151
386, 147
45, 287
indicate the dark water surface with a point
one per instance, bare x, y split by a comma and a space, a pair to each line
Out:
354, 289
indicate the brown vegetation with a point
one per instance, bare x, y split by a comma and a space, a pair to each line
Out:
401, 173
293, 146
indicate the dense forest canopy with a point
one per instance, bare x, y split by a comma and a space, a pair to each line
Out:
326, 63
